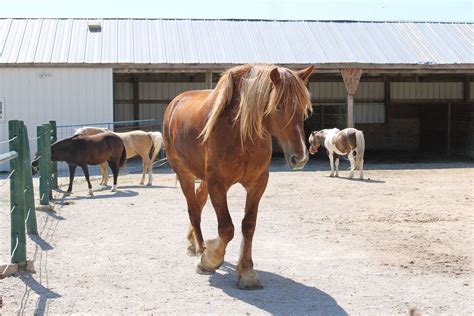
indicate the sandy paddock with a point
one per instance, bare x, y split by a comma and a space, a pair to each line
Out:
322, 246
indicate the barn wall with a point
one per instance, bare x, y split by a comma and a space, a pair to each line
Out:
153, 98
67, 95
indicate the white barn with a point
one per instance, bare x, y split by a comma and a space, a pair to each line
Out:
416, 86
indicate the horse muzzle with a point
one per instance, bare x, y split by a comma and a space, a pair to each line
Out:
296, 162
313, 149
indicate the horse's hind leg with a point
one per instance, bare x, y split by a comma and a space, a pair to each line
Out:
105, 176
213, 257
201, 195
114, 166
186, 181
72, 171
86, 174
246, 276
337, 166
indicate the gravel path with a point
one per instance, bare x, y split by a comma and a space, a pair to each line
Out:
322, 246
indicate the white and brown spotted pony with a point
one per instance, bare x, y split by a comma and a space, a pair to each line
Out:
137, 143
349, 141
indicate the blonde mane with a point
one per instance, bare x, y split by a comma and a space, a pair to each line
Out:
258, 97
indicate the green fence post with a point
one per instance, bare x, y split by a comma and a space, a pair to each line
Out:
17, 203
47, 143
43, 187
29, 197
54, 164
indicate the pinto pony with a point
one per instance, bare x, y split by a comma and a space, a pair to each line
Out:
81, 150
349, 141
137, 143
224, 136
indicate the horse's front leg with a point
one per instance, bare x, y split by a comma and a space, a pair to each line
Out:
146, 169
352, 162
72, 171
86, 174
213, 256
246, 276
337, 165
331, 162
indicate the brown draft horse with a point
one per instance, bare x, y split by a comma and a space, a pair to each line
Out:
223, 137
82, 150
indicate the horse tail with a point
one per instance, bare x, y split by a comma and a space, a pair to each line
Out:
222, 94
123, 158
157, 139
360, 143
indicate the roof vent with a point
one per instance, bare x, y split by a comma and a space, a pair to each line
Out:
94, 26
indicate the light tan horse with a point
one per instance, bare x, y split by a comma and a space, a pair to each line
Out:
137, 143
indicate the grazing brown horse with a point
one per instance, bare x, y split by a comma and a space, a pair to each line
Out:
349, 141
224, 136
81, 150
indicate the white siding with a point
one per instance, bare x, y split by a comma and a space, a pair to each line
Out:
67, 95
426, 91
369, 113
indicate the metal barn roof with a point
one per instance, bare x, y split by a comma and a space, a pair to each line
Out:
172, 43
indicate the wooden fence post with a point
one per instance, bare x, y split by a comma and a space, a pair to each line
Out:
17, 202
29, 197
47, 143
44, 177
54, 164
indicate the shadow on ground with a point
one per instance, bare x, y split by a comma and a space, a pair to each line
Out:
280, 296
44, 294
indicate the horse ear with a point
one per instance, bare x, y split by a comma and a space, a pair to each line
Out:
275, 76
305, 73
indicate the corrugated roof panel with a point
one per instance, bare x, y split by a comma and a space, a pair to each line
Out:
141, 44
29, 42
62, 41
161, 41
14, 40
157, 41
125, 41
78, 46
4, 32
109, 41
45, 45
93, 51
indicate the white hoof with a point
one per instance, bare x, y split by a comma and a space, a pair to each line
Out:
149, 184
351, 176
91, 193
114, 188
331, 174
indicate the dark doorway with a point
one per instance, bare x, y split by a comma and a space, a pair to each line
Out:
434, 119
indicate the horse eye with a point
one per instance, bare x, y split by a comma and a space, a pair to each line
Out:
279, 108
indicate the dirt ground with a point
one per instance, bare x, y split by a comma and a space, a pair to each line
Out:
330, 246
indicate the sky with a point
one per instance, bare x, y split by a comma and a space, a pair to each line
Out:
362, 10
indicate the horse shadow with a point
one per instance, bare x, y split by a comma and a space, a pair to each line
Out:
118, 193
44, 293
141, 186
281, 296
365, 180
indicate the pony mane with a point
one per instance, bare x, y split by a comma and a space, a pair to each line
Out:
90, 129
258, 97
